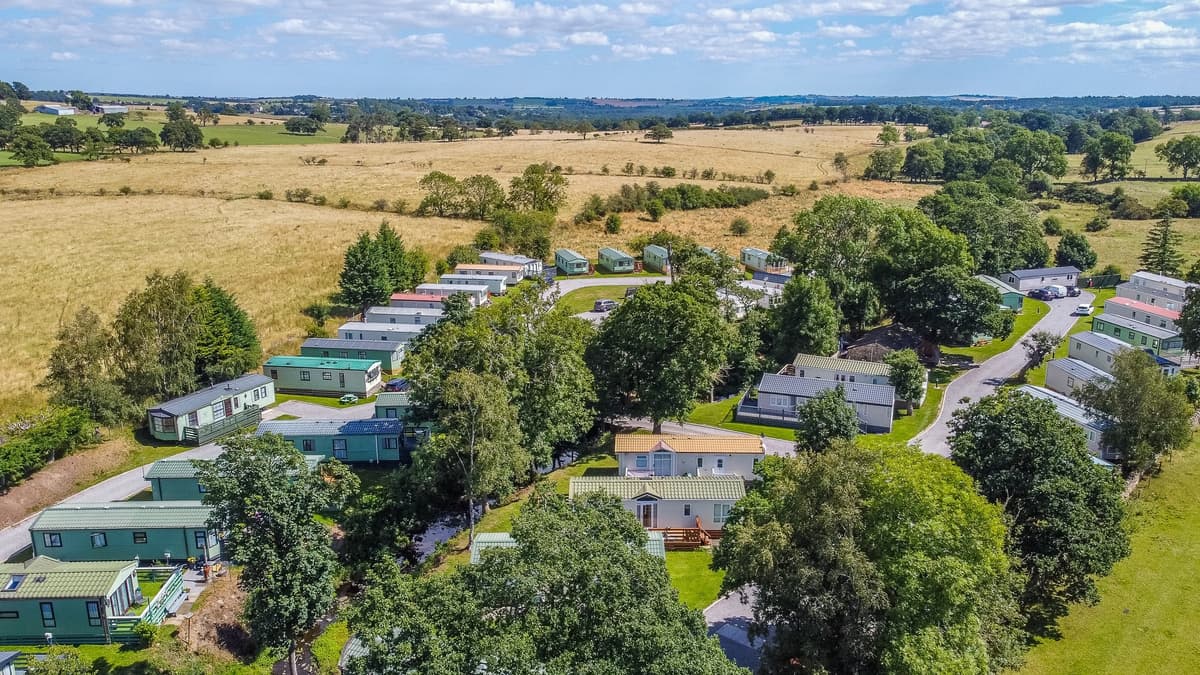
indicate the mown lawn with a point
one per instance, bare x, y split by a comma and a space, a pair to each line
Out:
327, 648
1031, 312
698, 585
1037, 376
583, 299
1147, 616
167, 651
330, 401
720, 414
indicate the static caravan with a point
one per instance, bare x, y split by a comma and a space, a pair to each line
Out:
56, 110
212, 412
1009, 297
174, 480
477, 293
758, 260
393, 405
644, 455
1143, 335
513, 274
403, 315
1156, 289
110, 109
8, 660
382, 332
484, 541
615, 261
76, 603
656, 258
532, 267
324, 377
126, 530
780, 395
1155, 315
1070, 410
670, 501
388, 354
495, 285
1067, 375
417, 300
365, 441
1027, 280
570, 263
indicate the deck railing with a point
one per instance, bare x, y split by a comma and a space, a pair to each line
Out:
203, 434
121, 628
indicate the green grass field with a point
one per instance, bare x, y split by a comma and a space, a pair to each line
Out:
698, 585
582, 299
1147, 616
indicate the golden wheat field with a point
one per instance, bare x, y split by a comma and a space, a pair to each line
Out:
72, 239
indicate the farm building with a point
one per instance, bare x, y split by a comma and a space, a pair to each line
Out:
615, 260
758, 260
643, 455
77, 603
352, 441
212, 412
476, 292
779, 396
379, 332
1067, 375
1155, 315
403, 315
493, 540
655, 258
324, 377
110, 109
417, 300
1027, 280
670, 501
495, 285
393, 405
532, 266
513, 274
59, 110
570, 263
389, 355
1070, 410
1009, 296
1155, 289
126, 530
1152, 338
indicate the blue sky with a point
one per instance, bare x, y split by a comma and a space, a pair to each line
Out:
615, 48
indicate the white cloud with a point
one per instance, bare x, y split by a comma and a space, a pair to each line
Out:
588, 38
847, 30
64, 56
640, 52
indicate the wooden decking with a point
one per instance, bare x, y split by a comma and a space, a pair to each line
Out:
687, 538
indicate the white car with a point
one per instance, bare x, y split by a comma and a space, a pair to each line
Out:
1083, 310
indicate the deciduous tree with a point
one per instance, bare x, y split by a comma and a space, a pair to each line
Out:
29, 148
824, 420
480, 195
1180, 153
945, 304
805, 320
1075, 251
155, 332
908, 376
659, 133
80, 370
540, 187
888, 135
443, 194
1038, 346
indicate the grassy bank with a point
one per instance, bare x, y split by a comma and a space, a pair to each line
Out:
1032, 311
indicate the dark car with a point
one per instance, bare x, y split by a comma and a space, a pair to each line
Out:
1041, 294
398, 384
1072, 291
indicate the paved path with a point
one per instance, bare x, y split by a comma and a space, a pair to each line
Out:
729, 619
983, 379
15, 538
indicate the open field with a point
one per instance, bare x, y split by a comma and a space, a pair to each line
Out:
275, 256
231, 128
1147, 616
278, 257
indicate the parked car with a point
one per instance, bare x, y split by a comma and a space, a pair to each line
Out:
1083, 310
1072, 291
1058, 291
604, 305
1041, 294
397, 384
347, 399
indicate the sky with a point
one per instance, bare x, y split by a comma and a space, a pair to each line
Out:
602, 48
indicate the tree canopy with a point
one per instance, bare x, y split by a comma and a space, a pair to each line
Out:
824, 420
804, 321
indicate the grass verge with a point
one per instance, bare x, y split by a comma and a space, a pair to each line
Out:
1146, 618
1037, 376
330, 401
1031, 312
698, 585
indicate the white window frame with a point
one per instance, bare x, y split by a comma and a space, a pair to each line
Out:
721, 512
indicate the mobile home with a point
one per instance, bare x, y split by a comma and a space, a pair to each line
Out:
477, 293
655, 545
615, 260
1156, 289
393, 405
513, 274
656, 258
532, 267
324, 377
780, 395
1009, 297
1156, 340
495, 285
570, 263
1027, 280
389, 354
381, 332
365, 441
175, 480
670, 501
403, 315
1155, 315
644, 455
758, 260
126, 530
1066, 375
1070, 410
417, 300
212, 412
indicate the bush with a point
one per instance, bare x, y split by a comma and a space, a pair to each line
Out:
343, 203
1109, 270
264, 194
1048, 206
400, 206
379, 205
298, 195
789, 190
1078, 193
612, 224
1124, 207
125, 190
319, 200
35, 443
668, 172
1052, 226
739, 227
1097, 224
814, 186
655, 210
146, 633
215, 142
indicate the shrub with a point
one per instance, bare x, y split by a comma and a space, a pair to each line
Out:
125, 190
1097, 224
298, 195
146, 633
655, 210
1048, 205
789, 190
54, 434
1125, 207
612, 224
264, 194
814, 186
1109, 269
1078, 193
739, 227
667, 172
319, 200
379, 205
1052, 226
215, 142
343, 203
400, 206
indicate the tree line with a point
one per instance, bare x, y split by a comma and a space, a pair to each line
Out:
540, 188
656, 200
